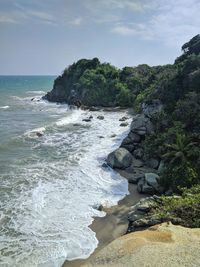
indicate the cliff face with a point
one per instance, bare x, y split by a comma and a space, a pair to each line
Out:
161, 245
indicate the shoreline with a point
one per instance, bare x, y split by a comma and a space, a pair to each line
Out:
113, 225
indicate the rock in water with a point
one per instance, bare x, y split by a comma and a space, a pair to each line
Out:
86, 120
120, 158
163, 245
100, 117
39, 134
124, 124
123, 118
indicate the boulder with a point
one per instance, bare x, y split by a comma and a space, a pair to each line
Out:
39, 134
123, 118
138, 153
135, 138
152, 163
94, 108
150, 184
144, 188
130, 147
100, 117
141, 125
86, 119
127, 140
124, 124
150, 109
153, 180
120, 158
137, 163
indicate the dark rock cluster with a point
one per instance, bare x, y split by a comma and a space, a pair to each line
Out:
132, 162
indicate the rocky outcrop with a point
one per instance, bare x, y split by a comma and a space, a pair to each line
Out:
150, 184
141, 125
120, 158
100, 117
161, 245
153, 108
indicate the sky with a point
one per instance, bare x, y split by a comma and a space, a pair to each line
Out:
42, 37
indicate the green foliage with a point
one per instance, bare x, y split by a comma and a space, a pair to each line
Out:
176, 139
185, 209
124, 98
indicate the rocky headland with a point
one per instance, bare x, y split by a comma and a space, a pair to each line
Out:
160, 156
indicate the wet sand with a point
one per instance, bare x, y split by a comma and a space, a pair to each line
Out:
113, 225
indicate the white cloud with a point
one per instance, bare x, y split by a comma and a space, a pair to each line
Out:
134, 5
76, 21
6, 18
107, 11
124, 30
172, 22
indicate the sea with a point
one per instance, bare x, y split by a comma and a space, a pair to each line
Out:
52, 176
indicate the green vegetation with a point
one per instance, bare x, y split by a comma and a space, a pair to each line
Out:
184, 210
176, 139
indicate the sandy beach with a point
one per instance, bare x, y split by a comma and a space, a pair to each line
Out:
113, 225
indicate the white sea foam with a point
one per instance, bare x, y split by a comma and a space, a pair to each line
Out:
4, 107
36, 92
54, 192
74, 117
34, 133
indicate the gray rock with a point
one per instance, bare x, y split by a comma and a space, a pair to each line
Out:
149, 184
147, 189
153, 108
134, 179
153, 180
104, 165
145, 204
138, 153
130, 147
132, 217
124, 124
135, 138
141, 125
127, 141
120, 158
137, 163
94, 109
39, 134
100, 117
86, 120
152, 163
140, 185
140, 223
123, 118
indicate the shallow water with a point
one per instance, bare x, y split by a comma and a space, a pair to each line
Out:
51, 186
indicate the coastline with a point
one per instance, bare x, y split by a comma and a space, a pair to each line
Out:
113, 225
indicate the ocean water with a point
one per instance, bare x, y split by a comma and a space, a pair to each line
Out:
52, 184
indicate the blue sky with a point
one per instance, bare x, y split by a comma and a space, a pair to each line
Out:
45, 36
